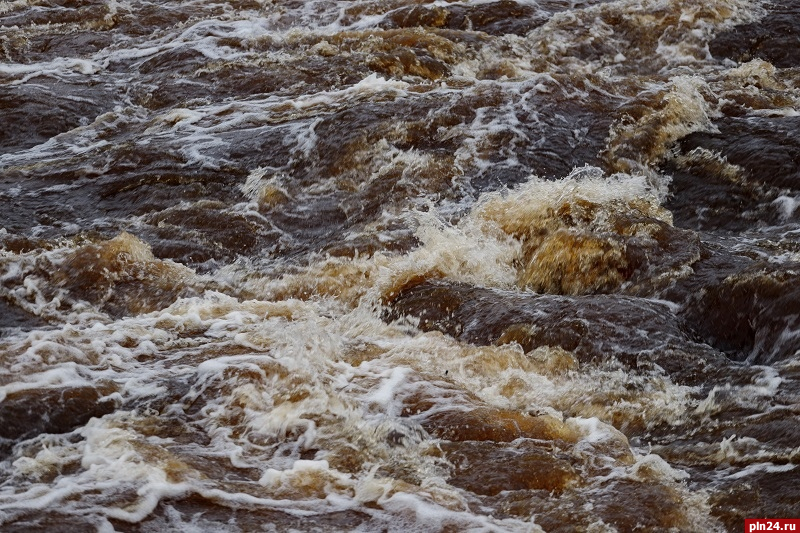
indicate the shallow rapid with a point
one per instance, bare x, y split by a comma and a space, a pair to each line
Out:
481, 265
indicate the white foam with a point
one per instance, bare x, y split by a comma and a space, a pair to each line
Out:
63, 66
786, 206
64, 375
761, 467
270, 382
376, 83
652, 465
11, 5
384, 395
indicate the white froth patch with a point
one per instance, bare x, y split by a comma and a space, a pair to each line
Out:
384, 395
176, 119
115, 455
478, 250
642, 144
651, 466
421, 515
592, 428
786, 206
505, 377
466, 252
493, 122
110, 458
761, 467
62, 376
587, 183
735, 450
11, 5
757, 394
375, 83
62, 66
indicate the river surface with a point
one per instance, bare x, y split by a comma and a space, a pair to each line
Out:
399, 265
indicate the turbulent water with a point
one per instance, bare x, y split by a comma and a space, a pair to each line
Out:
399, 265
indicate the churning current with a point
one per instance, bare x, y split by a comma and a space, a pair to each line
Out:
399, 265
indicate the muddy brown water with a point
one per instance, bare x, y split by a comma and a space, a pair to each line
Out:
399, 265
